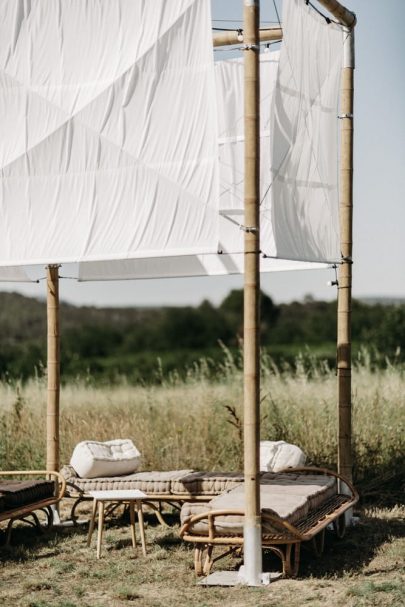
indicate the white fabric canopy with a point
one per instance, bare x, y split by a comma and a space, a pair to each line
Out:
108, 143
112, 122
230, 94
14, 274
304, 140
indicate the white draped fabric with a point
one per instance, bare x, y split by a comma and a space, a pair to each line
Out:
14, 274
113, 119
229, 93
304, 140
108, 143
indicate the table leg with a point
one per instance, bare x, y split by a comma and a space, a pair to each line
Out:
100, 527
132, 523
92, 522
141, 526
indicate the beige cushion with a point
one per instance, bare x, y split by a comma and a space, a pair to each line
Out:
206, 483
149, 482
276, 455
289, 496
92, 459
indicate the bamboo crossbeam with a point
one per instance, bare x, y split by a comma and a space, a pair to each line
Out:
340, 12
237, 37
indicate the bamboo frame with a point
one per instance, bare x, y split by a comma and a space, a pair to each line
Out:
237, 37
348, 19
251, 341
53, 366
340, 12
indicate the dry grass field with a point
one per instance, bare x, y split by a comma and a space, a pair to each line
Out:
366, 568
196, 423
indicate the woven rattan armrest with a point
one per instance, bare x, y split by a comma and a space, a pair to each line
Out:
21, 511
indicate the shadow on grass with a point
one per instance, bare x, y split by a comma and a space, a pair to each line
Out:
350, 554
355, 550
28, 542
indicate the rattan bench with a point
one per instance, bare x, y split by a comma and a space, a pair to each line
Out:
20, 499
173, 486
291, 514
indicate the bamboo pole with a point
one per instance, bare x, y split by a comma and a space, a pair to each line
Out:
53, 366
344, 314
237, 37
345, 271
252, 526
340, 12
344, 357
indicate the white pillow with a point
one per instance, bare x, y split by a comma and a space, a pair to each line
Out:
92, 459
276, 455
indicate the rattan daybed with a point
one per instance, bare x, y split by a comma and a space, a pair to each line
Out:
20, 499
297, 505
174, 486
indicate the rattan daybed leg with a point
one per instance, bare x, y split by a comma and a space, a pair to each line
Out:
198, 553
292, 560
282, 556
157, 511
208, 560
339, 526
36, 522
77, 501
8, 532
49, 517
318, 542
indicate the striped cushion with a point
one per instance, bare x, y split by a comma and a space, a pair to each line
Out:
14, 494
206, 483
149, 482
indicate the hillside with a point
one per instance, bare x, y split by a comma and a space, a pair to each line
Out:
106, 342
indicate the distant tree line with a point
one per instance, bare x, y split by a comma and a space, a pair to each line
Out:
112, 341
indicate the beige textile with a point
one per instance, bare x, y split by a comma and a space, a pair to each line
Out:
289, 496
207, 483
149, 482
95, 459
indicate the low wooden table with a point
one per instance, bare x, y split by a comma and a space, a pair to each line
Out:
131, 497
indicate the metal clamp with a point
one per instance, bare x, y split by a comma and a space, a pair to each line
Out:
250, 47
248, 229
341, 116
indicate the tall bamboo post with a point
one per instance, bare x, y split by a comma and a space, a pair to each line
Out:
344, 357
53, 366
252, 526
345, 269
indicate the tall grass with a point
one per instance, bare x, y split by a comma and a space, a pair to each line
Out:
196, 422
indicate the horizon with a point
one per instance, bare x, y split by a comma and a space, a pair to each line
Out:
306, 298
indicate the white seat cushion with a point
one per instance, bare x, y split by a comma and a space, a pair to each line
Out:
92, 459
276, 455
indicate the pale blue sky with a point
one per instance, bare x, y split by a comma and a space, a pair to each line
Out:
379, 190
